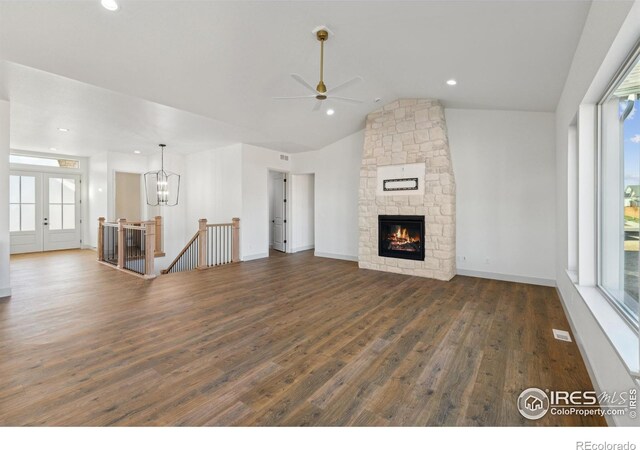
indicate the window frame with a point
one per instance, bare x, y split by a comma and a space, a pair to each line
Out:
630, 62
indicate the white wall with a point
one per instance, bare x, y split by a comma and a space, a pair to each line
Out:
98, 194
5, 285
302, 212
608, 36
213, 186
131, 163
504, 164
505, 175
337, 180
102, 186
254, 220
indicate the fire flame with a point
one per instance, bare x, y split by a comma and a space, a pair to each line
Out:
402, 236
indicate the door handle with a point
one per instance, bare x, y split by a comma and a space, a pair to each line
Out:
273, 221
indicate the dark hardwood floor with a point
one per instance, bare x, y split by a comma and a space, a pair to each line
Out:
289, 340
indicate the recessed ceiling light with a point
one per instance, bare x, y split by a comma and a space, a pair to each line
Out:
330, 112
53, 149
64, 130
137, 152
452, 82
111, 5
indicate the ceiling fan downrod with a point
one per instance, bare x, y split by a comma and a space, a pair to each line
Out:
322, 36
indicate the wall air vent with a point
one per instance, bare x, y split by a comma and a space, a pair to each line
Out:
284, 157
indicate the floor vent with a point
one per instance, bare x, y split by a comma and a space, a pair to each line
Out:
561, 335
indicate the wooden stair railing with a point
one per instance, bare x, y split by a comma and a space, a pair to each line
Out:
187, 259
213, 245
130, 247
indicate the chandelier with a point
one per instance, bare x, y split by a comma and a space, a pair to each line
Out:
161, 186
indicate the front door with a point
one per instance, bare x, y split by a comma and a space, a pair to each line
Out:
25, 212
44, 212
61, 223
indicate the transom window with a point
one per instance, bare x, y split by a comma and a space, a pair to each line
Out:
44, 161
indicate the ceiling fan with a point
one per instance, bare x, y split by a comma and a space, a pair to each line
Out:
320, 92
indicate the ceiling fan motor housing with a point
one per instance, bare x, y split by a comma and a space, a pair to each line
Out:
322, 34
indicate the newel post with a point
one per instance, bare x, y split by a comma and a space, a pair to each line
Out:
158, 231
149, 248
235, 245
100, 247
202, 244
121, 243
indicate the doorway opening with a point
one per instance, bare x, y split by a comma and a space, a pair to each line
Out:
302, 212
128, 196
277, 189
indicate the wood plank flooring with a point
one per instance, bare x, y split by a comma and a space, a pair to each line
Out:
289, 340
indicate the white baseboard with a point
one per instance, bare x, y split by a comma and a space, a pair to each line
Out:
507, 277
583, 352
303, 248
336, 256
254, 256
5, 292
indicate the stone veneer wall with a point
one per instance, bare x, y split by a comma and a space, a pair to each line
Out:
403, 132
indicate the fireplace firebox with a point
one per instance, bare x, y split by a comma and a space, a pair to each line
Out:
401, 237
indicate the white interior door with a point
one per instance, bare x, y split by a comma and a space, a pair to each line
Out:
61, 221
279, 220
25, 212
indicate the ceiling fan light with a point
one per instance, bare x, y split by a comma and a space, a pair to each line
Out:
330, 112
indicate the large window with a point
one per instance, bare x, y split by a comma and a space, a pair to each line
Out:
619, 192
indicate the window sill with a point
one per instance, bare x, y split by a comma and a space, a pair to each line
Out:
620, 333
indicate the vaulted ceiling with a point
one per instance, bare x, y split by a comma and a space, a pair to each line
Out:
203, 73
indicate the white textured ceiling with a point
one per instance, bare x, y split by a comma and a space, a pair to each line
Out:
223, 61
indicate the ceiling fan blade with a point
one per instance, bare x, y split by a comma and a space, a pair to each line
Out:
346, 84
293, 98
317, 106
345, 99
300, 80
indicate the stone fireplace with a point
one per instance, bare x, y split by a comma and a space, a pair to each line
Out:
407, 192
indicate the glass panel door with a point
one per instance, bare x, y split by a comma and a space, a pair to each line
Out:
25, 223
61, 218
